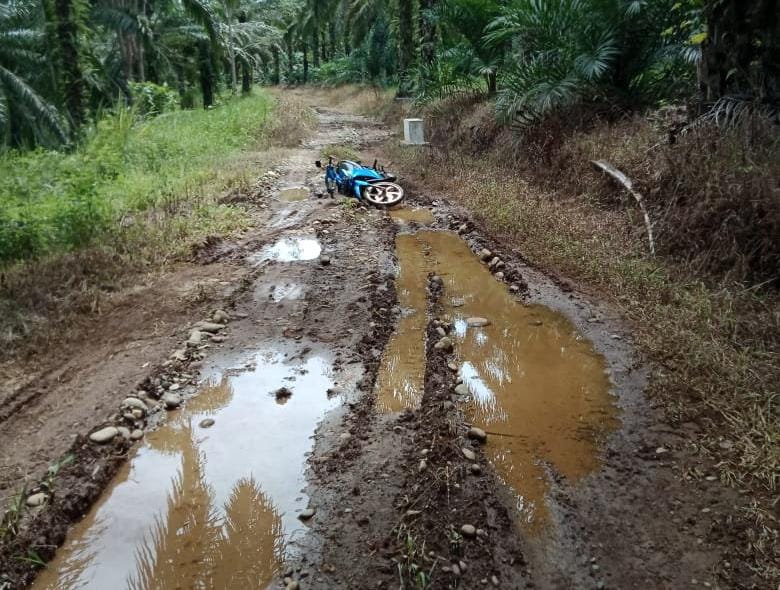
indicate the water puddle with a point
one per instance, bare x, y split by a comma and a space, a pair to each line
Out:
290, 250
288, 291
417, 214
399, 382
537, 386
202, 506
296, 193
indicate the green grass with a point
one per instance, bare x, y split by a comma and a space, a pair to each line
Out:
53, 201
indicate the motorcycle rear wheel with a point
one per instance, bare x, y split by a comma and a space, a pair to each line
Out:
383, 194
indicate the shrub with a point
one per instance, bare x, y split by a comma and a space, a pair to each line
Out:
152, 99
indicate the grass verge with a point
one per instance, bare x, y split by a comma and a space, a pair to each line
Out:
134, 197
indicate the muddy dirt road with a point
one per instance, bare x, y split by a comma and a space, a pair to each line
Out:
354, 398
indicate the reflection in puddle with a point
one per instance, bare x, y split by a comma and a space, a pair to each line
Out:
418, 214
537, 387
290, 250
197, 508
400, 380
297, 193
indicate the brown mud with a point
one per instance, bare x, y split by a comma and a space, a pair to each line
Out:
328, 393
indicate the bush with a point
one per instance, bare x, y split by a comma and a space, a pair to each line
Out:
152, 99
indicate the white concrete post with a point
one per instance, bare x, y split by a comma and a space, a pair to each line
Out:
413, 132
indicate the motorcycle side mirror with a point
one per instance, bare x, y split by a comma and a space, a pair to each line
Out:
318, 164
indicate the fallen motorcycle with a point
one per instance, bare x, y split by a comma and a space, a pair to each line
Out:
353, 179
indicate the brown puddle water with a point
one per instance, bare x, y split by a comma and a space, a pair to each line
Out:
418, 214
206, 507
399, 383
537, 386
296, 193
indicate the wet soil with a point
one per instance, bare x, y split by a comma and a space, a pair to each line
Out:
339, 453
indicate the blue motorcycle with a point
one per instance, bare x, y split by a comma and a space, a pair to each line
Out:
355, 180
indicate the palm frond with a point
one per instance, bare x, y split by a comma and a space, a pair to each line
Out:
44, 111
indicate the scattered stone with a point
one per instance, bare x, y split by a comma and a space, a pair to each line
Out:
494, 261
423, 465
307, 514
345, 436
137, 434
485, 254
283, 393
477, 322
462, 389
452, 366
210, 327
135, 404
137, 414
475, 469
38, 499
441, 331
477, 434
293, 585
220, 317
174, 387
171, 400
514, 288
661, 451
180, 354
494, 581
124, 431
218, 339
499, 275
324, 260
104, 435
455, 569
468, 531
195, 339
206, 423
444, 344
469, 454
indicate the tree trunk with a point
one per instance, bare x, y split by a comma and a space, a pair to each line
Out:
305, 63
347, 37
492, 84
315, 48
290, 59
206, 73
246, 78
277, 65
427, 32
406, 31
332, 36
72, 80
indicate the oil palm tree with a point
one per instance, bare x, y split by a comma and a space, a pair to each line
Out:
27, 115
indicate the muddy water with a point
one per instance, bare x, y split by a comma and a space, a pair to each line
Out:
399, 382
296, 193
291, 250
416, 214
537, 386
206, 507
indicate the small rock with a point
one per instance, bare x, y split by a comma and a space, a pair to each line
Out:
124, 431
307, 514
135, 404
104, 435
661, 451
137, 434
210, 327
174, 387
220, 317
324, 260
294, 585
180, 354
206, 423
462, 389
463, 228
469, 454
441, 331
171, 400
477, 434
452, 366
195, 339
494, 581
36, 499
485, 254
444, 344
423, 465
477, 322
476, 469
137, 414
468, 531
455, 569
514, 288
345, 436
499, 275
494, 261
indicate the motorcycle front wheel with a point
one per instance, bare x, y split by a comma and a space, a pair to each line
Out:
383, 194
